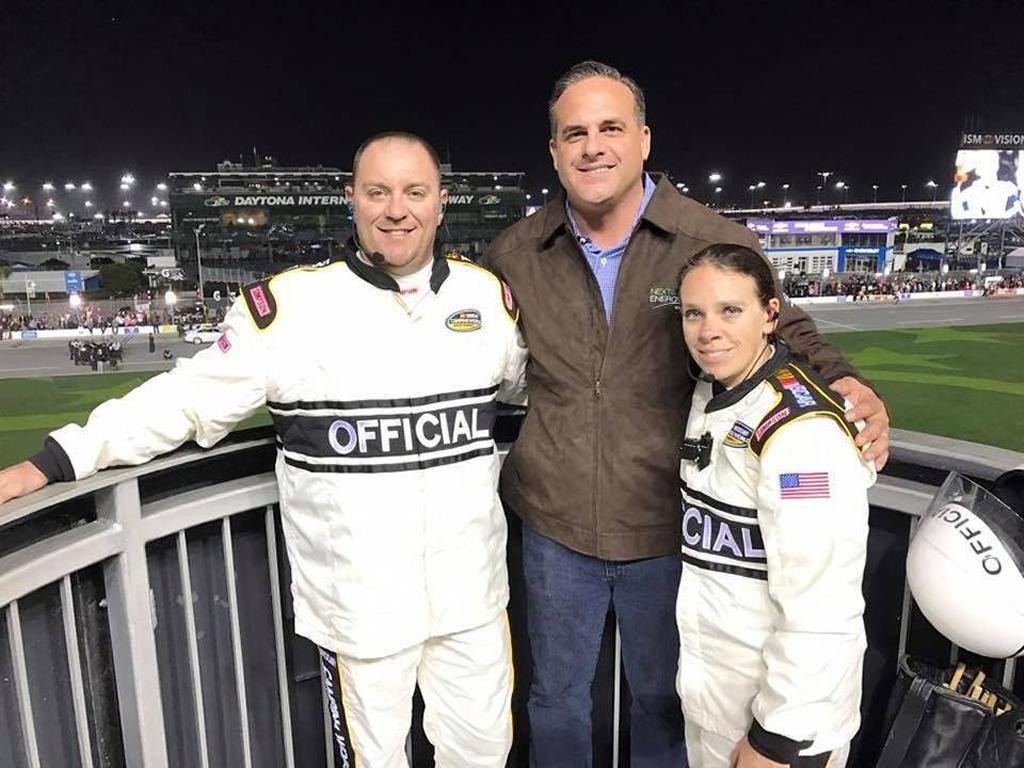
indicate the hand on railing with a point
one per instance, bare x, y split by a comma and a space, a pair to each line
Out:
19, 480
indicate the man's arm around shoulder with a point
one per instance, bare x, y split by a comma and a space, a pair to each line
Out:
803, 337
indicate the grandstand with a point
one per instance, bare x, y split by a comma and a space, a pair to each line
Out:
245, 221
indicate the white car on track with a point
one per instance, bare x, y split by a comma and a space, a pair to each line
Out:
202, 334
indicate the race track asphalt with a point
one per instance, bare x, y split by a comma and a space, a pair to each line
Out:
50, 358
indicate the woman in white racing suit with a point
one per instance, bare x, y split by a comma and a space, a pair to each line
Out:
774, 528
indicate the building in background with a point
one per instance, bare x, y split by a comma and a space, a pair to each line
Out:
241, 222
837, 245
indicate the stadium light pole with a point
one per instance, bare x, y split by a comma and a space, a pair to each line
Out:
544, 194
874, 193
715, 180
785, 195
934, 188
903, 193
199, 268
824, 179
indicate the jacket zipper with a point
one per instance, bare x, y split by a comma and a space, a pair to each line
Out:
592, 285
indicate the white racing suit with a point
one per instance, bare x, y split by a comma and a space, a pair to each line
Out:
770, 610
387, 472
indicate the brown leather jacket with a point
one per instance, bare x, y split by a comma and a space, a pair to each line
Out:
596, 465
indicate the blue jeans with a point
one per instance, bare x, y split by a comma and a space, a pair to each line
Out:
567, 600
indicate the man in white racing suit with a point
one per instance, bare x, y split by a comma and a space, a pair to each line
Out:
775, 522
380, 371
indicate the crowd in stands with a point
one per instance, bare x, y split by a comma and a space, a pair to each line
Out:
862, 286
99, 323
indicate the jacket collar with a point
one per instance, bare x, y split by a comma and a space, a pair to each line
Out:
660, 211
732, 396
381, 279
663, 209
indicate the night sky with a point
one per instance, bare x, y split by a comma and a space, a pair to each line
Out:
773, 91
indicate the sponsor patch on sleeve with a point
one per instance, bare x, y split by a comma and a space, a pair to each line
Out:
801, 394
770, 422
223, 344
739, 435
804, 485
510, 302
261, 303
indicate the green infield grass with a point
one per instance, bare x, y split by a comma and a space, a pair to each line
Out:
963, 382
32, 408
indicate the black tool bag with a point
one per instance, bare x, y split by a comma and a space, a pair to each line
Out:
951, 718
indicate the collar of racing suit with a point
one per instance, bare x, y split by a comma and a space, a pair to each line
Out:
381, 279
732, 396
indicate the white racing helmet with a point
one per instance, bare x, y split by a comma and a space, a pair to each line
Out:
965, 567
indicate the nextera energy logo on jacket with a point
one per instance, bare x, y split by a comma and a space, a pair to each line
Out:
386, 435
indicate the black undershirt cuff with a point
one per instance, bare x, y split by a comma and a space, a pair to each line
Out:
775, 746
53, 462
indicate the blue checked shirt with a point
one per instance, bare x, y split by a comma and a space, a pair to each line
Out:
605, 263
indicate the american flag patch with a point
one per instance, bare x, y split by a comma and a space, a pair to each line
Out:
804, 485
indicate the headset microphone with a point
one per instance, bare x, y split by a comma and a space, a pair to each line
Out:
376, 258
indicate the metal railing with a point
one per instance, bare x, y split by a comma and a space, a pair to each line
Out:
144, 619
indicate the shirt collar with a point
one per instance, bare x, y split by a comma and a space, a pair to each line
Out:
661, 211
649, 187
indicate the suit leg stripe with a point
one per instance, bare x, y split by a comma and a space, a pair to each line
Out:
344, 748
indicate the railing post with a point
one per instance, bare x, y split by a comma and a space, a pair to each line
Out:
131, 630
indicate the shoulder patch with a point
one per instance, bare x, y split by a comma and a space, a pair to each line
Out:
800, 395
509, 302
261, 303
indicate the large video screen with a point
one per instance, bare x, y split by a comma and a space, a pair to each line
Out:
988, 184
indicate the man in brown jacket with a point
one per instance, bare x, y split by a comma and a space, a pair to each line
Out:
594, 474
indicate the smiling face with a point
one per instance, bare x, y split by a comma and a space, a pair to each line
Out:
397, 200
725, 325
598, 147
